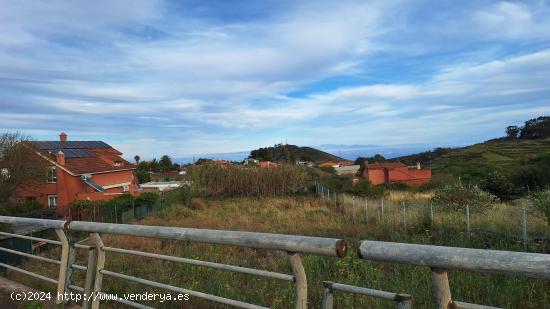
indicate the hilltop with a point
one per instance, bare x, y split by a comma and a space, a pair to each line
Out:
291, 153
505, 155
524, 148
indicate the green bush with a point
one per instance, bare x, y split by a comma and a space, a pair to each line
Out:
541, 201
149, 198
455, 198
365, 188
328, 169
9, 209
498, 185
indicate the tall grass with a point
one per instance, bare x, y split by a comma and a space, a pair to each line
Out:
232, 180
315, 217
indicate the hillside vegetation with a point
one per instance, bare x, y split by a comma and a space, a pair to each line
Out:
291, 153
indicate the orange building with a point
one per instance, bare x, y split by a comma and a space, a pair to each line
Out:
388, 173
79, 170
268, 164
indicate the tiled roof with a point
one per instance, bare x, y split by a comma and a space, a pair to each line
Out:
385, 165
101, 159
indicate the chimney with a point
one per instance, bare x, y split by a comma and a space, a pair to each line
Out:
60, 158
417, 165
63, 137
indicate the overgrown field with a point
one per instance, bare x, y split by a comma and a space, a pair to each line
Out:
305, 216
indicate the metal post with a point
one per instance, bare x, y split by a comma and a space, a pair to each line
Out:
100, 264
90, 276
404, 304
442, 291
524, 228
468, 221
404, 215
328, 296
328, 193
366, 209
301, 280
68, 255
432, 212
353, 205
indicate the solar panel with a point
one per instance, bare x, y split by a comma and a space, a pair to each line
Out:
74, 153
50, 145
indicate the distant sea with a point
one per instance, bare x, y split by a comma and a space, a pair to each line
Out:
350, 152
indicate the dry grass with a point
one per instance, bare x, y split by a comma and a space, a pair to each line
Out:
315, 217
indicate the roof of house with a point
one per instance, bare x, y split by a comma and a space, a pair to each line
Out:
85, 157
385, 165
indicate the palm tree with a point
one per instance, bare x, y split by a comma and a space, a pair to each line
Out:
137, 158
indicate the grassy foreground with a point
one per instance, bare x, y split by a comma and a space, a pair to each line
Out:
302, 216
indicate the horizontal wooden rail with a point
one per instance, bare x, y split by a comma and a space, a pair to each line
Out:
535, 265
289, 243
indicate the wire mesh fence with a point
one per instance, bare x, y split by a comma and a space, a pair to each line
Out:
520, 223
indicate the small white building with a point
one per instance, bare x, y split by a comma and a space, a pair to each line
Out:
162, 185
347, 170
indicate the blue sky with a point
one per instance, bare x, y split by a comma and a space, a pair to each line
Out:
191, 77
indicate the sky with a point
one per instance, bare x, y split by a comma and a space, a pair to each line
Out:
182, 78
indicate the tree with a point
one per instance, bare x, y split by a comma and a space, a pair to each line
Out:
165, 163
142, 176
137, 158
497, 184
512, 131
19, 164
536, 128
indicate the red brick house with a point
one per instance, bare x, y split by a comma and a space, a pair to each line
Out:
80, 170
388, 173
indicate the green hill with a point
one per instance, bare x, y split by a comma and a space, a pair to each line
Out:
292, 153
524, 155
505, 155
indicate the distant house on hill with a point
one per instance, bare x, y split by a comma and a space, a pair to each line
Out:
79, 170
328, 164
388, 173
268, 164
250, 161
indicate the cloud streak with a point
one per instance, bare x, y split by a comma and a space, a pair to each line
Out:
159, 77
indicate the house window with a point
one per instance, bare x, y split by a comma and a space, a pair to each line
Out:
118, 163
52, 201
52, 175
125, 188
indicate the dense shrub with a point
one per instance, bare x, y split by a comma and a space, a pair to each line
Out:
148, 198
365, 188
541, 201
232, 180
497, 184
328, 169
337, 182
534, 174
457, 196
9, 209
